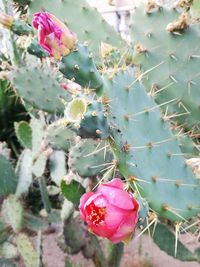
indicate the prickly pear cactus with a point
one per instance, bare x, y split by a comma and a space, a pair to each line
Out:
37, 84
90, 157
147, 152
168, 56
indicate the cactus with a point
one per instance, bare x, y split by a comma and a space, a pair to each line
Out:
59, 136
26, 250
12, 213
8, 179
24, 133
35, 49
147, 152
24, 172
79, 67
7, 263
8, 251
57, 166
72, 191
90, 157
36, 84
178, 250
94, 123
89, 21
169, 68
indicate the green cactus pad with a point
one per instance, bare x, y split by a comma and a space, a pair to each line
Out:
163, 233
24, 172
81, 19
94, 123
26, 250
60, 137
35, 49
147, 152
79, 67
12, 213
72, 191
57, 165
8, 179
90, 157
39, 88
21, 28
24, 134
171, 63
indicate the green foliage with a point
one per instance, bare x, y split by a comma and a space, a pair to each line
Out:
8, 179
72, 191
24, 134
11, 110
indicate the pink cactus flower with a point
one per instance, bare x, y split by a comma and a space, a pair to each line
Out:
110, 212
54, 36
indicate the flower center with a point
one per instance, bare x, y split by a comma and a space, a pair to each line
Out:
95, 214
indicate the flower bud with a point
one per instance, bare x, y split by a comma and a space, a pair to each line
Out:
54, 36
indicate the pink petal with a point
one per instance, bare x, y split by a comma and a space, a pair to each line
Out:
83, 200
126, 228
114, 216
116, 182
98, 199
116, 197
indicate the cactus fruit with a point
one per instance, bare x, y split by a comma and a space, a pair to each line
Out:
169, 68
146, 150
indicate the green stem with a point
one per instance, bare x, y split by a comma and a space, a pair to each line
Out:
115, 254
44, 194
98, 258
39, 249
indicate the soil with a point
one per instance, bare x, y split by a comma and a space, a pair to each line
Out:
141, 252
